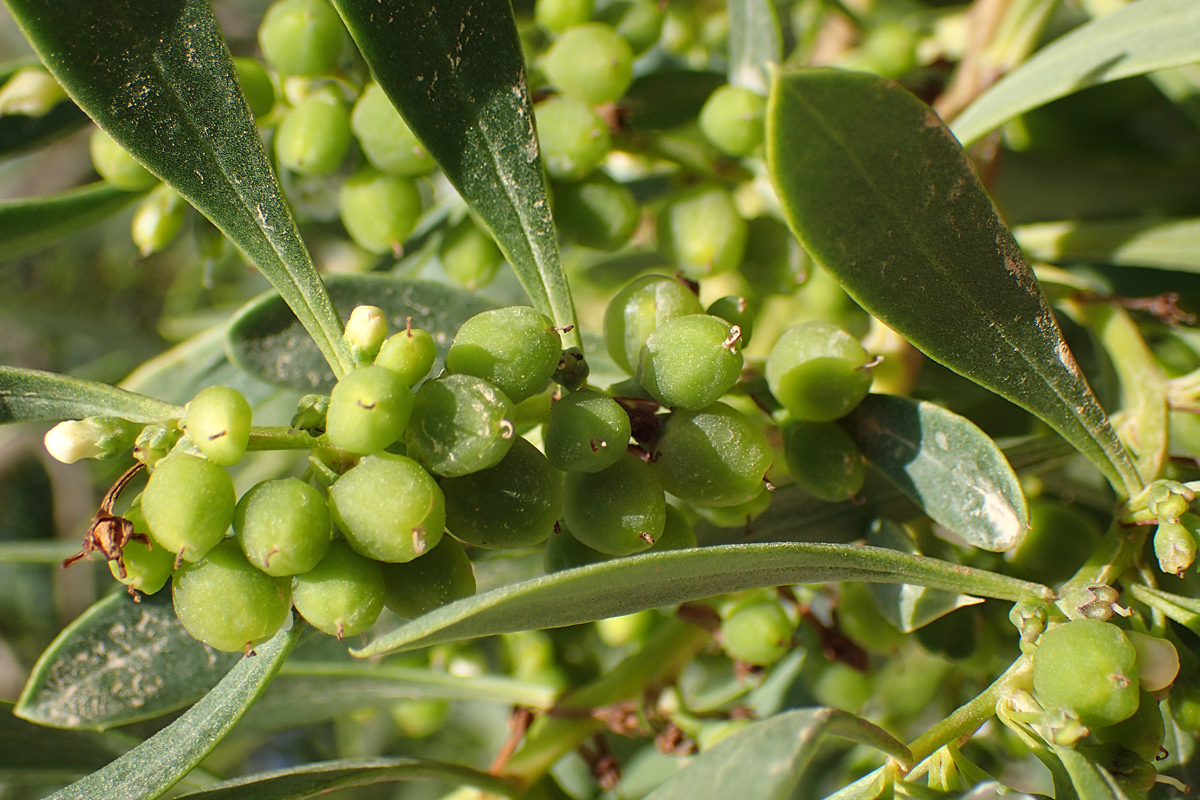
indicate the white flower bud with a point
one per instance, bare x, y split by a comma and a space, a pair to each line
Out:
31, 92
74, 439
365, 333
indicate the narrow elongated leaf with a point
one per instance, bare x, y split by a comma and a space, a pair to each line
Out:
153, 767
265, 340
1089, 779
906, 606
27, 226
626, 585
28, 395
158, 77
766, 760
755, 43
456, 72
1142, 37
1167, 244
120, 662
1183, 610
946, 465
316, 779
880, 193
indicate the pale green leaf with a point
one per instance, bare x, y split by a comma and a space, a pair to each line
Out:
755, 43
1161, 243
29, 225
28, 395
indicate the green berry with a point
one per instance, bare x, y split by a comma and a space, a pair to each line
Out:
301, 37
564, 551
739, 515
369, 409
678, 533
441, 576
1143, 733
389, 508
735, 310
469, 255
639, 22
256, 86
619, 510
188, 504
410, 354
516, 349
225, 602
513, 504
774, 262
558, 15
733, 120
379, 211
460, 424
702, 232
713, 457
386, 140
757, 632
217, 420
689, 362
342, 595
823, 460
639, 308
148, 565
573, 139
313, 137
283, 526
818, 372
587, 432
116, 166
590, 62
1087, 667
158, 220
596, 212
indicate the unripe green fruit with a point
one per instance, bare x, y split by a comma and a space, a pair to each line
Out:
513, 504
639, 22
735, 310
389, 508
620, 510
148, 565
774, 262
225, 602
341, 596
573, 139
116, 166
188, 504
757, 632
283, 526
369, 409
587, 432
469, 255
1088, 667
824, 460
564, 551
818, 372
638, 309
313, 137
702, 232
678, 533
379, 211
256, 86
1059, 540
301, 37
217, 420
516, 349
410, 354
387, 141
158, 220
1143, 733
558, 15
596, 212
740, 515
713, 457
441, 576
590, 62
689, 362
460, 424
733, 120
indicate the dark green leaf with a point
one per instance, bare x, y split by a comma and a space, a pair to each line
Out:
27, 395
149, 770
314, 779
880, 193
27, 226
625, 585
946, 465
755, 43
1141, 37
19, 133
663, 100
1090, 780
159, 79
456, 72
266, 341
1167, 244
120, 662
767, 760
36, 552
37, 751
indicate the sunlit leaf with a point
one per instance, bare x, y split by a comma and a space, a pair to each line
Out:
27, 395
1162, 243
755, 43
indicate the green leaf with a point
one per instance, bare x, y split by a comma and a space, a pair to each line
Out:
149, 770
1089, 779
19, 133
27, 226
28, 395
662, 100
456, 72
906, 606
120, 662
36, 552
652, 580
767, 760
946, 465
1142, 37
265, 340
50, 754
314, 779
755, 43
1183, 610
159, 79
1166, 244
880, 193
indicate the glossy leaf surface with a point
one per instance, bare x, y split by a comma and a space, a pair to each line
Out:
158, 77
879, 192
27, 226
27, 395
456, 72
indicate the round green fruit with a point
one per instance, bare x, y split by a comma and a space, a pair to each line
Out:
460, 424
313, 137
342, 595
469, 255
386, 140
702, 232
823, 460
713, 457
188, 504
587, 432
379, 211
389, 508
572, 137
441, 576
564, 551
158, 220
733, 119
217, 420
757, 632
596, 212
301, 37
590, 62
1087, 667
818, 372
369, 409
1143, 733
148, 565
638, 309
256, 86
619, 510
410, 354
558, 15
516, 349
283, 526
116, 166
689, 362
